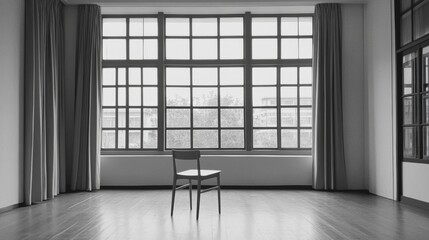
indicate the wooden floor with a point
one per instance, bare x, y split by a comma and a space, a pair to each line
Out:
246, 214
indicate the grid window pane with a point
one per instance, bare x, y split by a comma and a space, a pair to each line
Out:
109, 118
289, 138
204, 49
231, 96
231, 48
290, 48
232, 118
264, 48
289, 26
122, 116
264, 117
288, 75
232, 139
114, 49
178, 76
150, 139
264, 96
136, 26
121, 76
231, 76
178, 96
150, 27
134, 76
305, 138
150, 76
289, 96
264, 26
264, 76
305, 117
108, 139
134, 139
178, 118
134, 118
114, 27
150, 117
121, 139
150, 96
289, 117
204, 27
265, 138
231, 26
177, 48
305, 26
135, 96
204, 96
150, 47
177, 26
109, 76
305, 75
305, 95
305, 48
109, 96
136, 49
122, 96
410, 142
206, 139
178, 139
205, 117
204, 76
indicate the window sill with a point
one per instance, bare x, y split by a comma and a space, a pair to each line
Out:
211, 153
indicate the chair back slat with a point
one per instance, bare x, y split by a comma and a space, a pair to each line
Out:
187, 155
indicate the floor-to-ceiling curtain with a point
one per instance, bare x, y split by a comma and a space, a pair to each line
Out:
86, 148
44, 72
329, 172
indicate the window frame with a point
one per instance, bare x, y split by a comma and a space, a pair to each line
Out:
247, 63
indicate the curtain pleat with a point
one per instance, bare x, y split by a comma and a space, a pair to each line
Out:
329, 172
86, 149
43, 74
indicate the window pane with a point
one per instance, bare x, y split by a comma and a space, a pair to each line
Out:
289, 96
265, 138
265, 48
289, 138
264, 76
205, 118
121, 117
305, 117
410, 141
109, 118
264, 26
109, 96
204, 76
178, 139
231, 76
289, 75
425, 68
134, 139
150, 76
231, 96
204, 49
204, 97
421, 20
150, 27
231, 26
305, 138
114, 49
409, 109
109, 76
305, 26
134, 118
177, 48
289, 26
305, 48
136, 26
265, 117
122, 96
150, 117
114, 27
150, 139
231, 48
232, 118
425, 141
289, 117
406, 28
408, 73
108, 139
305, 96
178, 76
178, 96
204, 27
121, 139
290, 48
305, 75
264, 96
232, 139
177, 27
177, 118
150, 96
135, 96
150, 49
121, 76
206, 139
134, 76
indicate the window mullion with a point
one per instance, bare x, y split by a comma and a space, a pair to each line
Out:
248, 132
161, 85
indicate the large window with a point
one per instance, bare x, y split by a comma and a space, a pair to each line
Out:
224, 82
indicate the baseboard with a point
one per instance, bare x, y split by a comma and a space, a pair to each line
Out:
11, 207
414, 202
238, 187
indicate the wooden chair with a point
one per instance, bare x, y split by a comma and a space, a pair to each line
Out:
193, 174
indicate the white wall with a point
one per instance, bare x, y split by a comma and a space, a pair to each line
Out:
11, 101
379, 98
415, 178
353, 92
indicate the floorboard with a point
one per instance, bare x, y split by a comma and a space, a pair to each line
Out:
246, 214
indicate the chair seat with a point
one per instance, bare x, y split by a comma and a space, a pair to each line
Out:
194, 173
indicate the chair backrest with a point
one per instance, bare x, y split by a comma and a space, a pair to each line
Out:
187, 155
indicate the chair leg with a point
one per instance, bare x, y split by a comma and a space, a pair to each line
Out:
198, 198
173, 195
218, 191
190, 193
